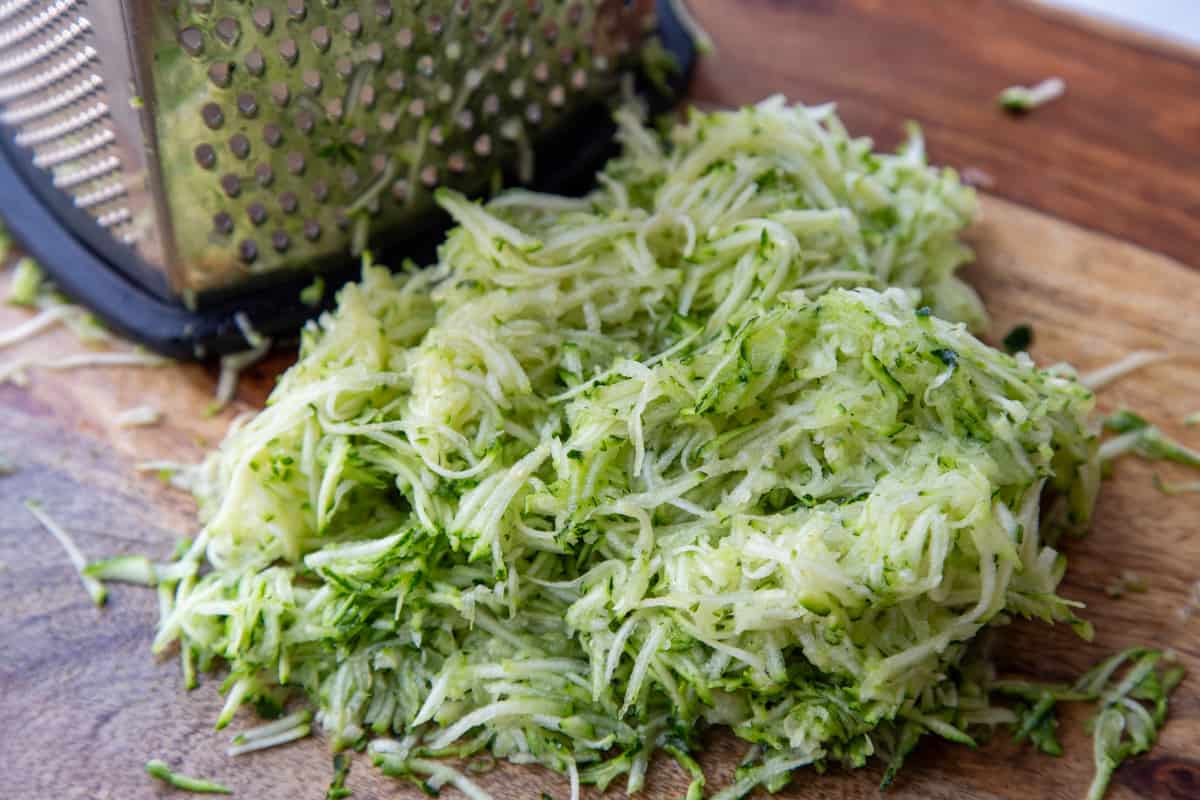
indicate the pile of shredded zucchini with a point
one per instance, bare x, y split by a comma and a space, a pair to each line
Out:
622, 467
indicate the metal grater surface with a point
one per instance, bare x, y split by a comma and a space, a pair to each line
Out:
218, 141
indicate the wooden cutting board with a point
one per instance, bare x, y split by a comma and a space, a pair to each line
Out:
83, 704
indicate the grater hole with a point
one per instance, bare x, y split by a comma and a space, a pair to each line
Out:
395, 81
366, 96
434, 24
429, 176
557, 96
272, 134
248, 250
457, 163
289, 52
358, 137
344, 66
541, 72
349, 178
312, 230
312, 80
352, 24
466, 119
280, 241
334, 108
425, 65
404, 38
212, 115
239, 145
374, 53
387, 122
264, 174
289, 202
436, 137
281, 94
257, 213
231, 184
192, 41
483, 146
295, 162
321, 38
383, 11
247, 104
296, 9
320, 190
379, 163
222, 223
221, 74
305, 121
264, 20
228, 30
206, 156
255, 62
400, 190
417, 108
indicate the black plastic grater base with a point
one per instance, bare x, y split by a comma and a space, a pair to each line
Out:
134, 311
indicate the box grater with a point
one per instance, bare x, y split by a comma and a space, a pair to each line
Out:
174, 162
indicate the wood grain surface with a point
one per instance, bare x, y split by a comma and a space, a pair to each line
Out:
84, 704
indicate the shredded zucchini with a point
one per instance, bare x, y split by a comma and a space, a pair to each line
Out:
712, 445
622, 467
1130, 363
94, 587
1130, 690
158, 769
138, 417
1019, 99
27, 280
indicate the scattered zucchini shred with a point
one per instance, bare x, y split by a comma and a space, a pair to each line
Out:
1021, 99
1137, 435
1165, 487
1130, 690
313, 294
94, 587
710, 446
158, 769
341, 770
26, 282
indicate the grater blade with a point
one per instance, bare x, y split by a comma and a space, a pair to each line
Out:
207, 149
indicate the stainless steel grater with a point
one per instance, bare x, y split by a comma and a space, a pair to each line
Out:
173, 161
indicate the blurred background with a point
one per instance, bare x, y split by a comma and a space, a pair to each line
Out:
1176, 19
